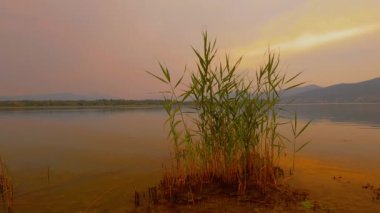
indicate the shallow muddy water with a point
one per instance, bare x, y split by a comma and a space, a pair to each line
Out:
93, 160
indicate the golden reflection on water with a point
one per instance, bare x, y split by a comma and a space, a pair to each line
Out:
97, 158
334, 186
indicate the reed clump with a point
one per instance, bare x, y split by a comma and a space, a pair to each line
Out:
6, 188
227, 138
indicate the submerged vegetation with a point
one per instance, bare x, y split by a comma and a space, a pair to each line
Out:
229, 136
6, 188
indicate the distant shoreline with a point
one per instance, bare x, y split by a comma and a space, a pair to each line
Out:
2, 108
121, 104
80, 104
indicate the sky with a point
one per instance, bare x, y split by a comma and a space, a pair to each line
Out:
106, 47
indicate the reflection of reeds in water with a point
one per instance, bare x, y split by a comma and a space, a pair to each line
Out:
6, 187
235, 142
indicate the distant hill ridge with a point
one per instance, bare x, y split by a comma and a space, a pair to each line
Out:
299, 90
362, 92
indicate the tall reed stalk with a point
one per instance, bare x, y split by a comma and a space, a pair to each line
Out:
6, 188
231, 137
296, 133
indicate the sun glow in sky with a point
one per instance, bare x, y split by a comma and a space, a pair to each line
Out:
309, 40
105, 47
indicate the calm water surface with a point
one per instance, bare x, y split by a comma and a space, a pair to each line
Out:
93, 160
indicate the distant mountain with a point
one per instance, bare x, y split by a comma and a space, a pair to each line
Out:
362, 92
54, 96
299, 90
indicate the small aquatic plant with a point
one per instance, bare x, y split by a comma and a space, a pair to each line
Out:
6, 188
228, 134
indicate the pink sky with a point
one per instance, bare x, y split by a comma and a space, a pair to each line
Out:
105, 47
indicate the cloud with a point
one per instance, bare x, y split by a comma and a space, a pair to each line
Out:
310, 40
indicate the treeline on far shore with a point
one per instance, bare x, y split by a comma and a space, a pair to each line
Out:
79, 103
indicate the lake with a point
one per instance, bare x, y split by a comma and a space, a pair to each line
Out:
89, 160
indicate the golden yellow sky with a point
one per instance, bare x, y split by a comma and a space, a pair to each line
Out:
316, 23
104, 47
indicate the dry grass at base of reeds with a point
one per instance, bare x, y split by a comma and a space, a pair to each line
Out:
176, 192
6, 188
174, 185
198, 187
